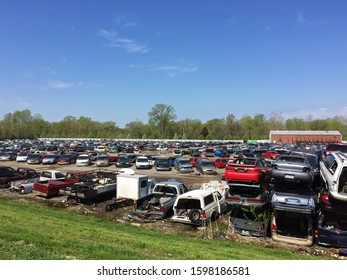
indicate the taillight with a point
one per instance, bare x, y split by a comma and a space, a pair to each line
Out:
134, 205
22, 189
233, 198
162, 209
316, 234
325, 197
203, 215
273, 227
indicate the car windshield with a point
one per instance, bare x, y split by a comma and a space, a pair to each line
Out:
64, 157
184, 162
142, 160
206, 163
102, 158
83, 157
245, 191
50, 156
293, 188
299, 160
312, 159
336, 147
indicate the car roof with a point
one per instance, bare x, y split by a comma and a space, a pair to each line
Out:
195, 193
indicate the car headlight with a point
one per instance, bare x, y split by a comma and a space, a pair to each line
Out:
274, 198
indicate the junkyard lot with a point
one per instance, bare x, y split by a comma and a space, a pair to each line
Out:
191, 180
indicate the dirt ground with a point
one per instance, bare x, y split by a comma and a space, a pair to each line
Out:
218, 230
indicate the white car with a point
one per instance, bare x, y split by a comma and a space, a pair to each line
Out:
22, 157
83, 160
143, 162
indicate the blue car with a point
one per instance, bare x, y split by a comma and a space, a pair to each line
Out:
332, 230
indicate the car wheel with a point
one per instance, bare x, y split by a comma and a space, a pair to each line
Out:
194, 215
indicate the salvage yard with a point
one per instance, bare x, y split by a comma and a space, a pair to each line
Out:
217, 231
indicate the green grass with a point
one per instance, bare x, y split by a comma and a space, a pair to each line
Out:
32, 231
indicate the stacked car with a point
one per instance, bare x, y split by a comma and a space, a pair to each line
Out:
332, 221
293, 201
247, 195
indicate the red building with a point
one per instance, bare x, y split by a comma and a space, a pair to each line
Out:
302, 136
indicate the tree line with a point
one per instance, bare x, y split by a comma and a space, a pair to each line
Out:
162, 124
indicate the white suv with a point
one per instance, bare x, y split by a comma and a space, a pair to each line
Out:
142, 162
333, 170
198, 207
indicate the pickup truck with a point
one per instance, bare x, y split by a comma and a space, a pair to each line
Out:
52, 187
159, 204
21, 174
25, 186
198, 207
100, 188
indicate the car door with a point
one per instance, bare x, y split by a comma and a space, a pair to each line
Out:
222, 203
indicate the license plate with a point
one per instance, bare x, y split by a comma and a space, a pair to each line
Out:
291, 177
245, 232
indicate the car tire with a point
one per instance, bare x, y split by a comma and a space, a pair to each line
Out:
194, 215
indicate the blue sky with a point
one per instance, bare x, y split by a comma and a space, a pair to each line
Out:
113, 60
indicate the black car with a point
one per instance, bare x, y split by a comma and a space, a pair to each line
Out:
162, 164
123, 161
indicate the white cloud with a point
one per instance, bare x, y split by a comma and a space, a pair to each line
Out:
319, 113
129, 45
60, 85
173, 71
303, 22
130, 24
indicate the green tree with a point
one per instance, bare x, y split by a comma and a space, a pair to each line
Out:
160, 117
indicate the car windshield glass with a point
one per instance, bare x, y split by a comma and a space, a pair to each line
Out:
50, 156
83, 157
245, 191
334, 147
293, 188
184, 162
292, 159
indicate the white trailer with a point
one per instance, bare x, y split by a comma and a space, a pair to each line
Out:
132, 186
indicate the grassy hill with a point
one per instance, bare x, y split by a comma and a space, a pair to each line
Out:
33, 231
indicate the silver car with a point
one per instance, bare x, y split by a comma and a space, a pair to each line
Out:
205, 166
102, 160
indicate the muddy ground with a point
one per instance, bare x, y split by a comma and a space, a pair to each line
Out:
219, 230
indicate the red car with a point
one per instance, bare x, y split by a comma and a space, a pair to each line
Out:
221, 162
193, 161
270, 155
247, 170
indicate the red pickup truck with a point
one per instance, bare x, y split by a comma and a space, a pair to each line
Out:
52, 187
9, 175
